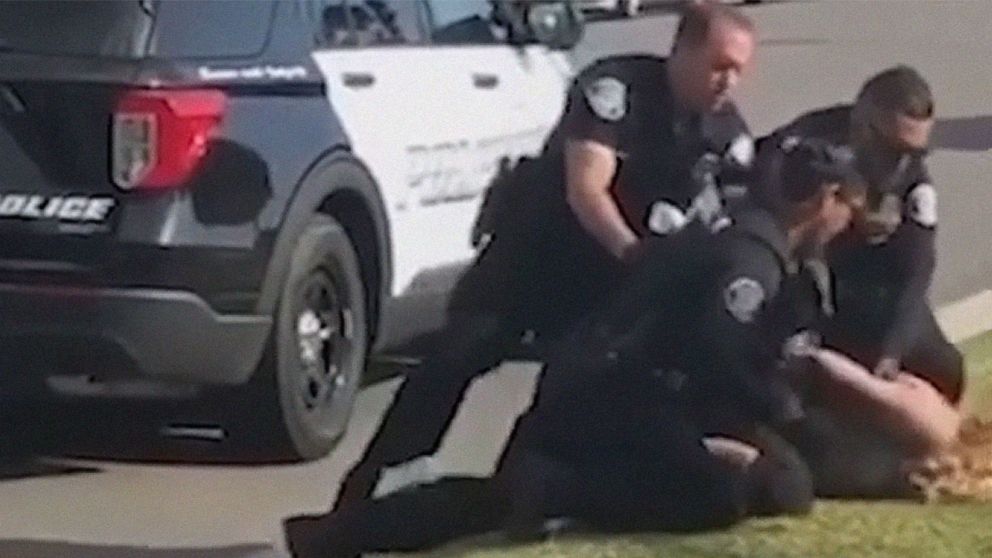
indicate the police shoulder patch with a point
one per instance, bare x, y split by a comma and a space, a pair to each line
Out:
922, 205
743, 298
741, 150
665, 218
607, 97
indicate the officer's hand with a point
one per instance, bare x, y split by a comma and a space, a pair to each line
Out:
801, 346
879, 224
887, 368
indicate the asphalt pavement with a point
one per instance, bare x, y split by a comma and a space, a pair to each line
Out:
125, 492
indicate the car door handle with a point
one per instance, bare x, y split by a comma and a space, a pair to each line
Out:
485, 81
358, 80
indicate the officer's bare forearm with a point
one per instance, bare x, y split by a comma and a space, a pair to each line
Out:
589, 172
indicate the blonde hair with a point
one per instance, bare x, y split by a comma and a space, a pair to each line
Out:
963, 471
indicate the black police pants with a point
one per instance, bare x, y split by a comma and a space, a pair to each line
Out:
497, 300
686, 490
427, 401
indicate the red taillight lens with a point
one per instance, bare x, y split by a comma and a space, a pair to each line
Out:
159, 137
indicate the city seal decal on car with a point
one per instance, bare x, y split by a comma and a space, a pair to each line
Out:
75, 209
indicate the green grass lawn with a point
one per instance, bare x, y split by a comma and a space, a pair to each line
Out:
978, 393
834, 530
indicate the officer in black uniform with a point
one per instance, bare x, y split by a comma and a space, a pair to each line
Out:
883, 271
638, 149
615, 435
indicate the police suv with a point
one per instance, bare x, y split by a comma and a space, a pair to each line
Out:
250, 197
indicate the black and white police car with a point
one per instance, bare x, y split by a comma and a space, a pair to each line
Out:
251, 197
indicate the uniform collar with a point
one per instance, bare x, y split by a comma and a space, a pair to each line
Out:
759, 223
682, 118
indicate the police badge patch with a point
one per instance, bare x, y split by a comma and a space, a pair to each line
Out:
607, 97
741, 151
923, 205
665, 219
743, 297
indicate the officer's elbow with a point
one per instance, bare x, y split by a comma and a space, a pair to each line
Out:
589, 170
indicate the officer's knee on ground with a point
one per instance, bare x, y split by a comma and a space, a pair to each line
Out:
777, 488
779, 481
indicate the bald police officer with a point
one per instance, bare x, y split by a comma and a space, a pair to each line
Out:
615, 435
883, 271
639, 148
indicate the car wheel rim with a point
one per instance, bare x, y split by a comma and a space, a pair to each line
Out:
323, 337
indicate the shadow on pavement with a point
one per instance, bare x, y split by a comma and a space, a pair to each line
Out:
41, 549
32, 467
131, 433
122, 432
972, 133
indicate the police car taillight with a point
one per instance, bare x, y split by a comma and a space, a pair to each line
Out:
159, 137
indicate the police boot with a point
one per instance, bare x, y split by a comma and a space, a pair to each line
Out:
357, 486
317, 536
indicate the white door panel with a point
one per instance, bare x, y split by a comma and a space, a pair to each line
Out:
432, 137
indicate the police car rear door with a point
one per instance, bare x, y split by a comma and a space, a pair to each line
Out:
514, 94
431, 97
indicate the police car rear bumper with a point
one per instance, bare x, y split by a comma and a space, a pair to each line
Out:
155, 334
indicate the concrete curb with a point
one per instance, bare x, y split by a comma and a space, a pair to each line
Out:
966, 318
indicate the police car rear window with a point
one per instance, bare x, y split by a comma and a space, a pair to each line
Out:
135, 28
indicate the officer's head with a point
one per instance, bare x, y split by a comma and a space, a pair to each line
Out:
813, 187
892, 118
713, 45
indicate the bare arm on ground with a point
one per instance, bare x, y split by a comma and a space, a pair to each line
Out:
908, 406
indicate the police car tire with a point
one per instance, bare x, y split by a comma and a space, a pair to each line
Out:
324, 249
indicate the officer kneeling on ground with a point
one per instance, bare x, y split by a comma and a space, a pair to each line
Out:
616, 436
882, 268
636, 150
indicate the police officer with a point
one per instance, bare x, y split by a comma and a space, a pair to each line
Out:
615, 435
637, 150
883, 271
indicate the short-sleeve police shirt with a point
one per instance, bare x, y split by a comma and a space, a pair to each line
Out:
888, 278
626, 103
